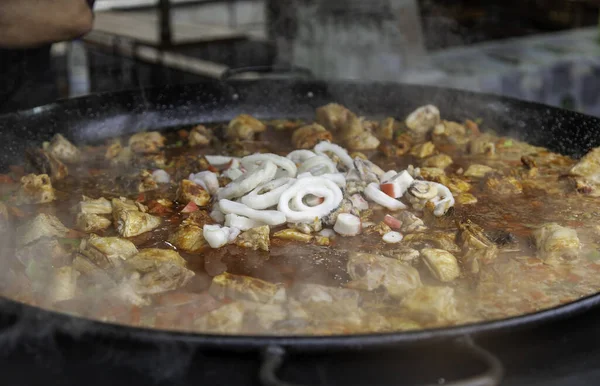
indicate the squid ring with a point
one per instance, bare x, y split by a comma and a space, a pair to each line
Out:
267, 194
303, 187
375, 194
299, 156
317, 165
269, 217
253, 161
249, 181
342, 153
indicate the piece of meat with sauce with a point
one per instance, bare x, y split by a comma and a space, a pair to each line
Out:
189, 238
190, 192
107, 252
307, 137
431, 304
63, 149
42, 225
35, 189
555, 242
147, 142
42, 162
241, 287
244, 127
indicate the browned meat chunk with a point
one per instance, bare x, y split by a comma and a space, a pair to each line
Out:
42, 162
240, 287
190, 192
244, 127
146, 143
63, 150
35, 189
306, 137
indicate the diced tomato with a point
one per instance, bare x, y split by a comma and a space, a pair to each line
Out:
190, 207
141, 197
212, 169
6, 179
154, 207
392, 222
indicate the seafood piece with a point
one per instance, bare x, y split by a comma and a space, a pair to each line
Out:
227, 319
374, 193
92, 222
42, 225
256, 161
441, 161
42, 162
146, 182
249, 181
156, 270
62, 149
107, 252
298, 211
161, 176
307, 228
63, 284
293, 234
131, 223
556, 242
199, 136
410, 222
269, 217
397, 185
217, 236
318, 165
267, 195
188, 238
306, 137
423, 150
333, 116
239, 287
423, 120
240, 222
367, 170
255, 238
503, 185
437, 239
483, 144
35, 189
382, 228
442, 264
421, 192
478, 171
299, 156
476, 246
244, 127
347, 224
431, 304
189, 191
95, 206
370, 272
207, 180
146, 143
392, 237
325, 147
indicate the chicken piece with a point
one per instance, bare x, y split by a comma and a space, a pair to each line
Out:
48, 249
423, 150
42, 162
586, 173
441, 161
385, 130
442, 265
157, 270
410, 222
478, 171
307, 293
199, 136
92, 272
95, 206
356, 135
293, 234
63, 150
131, 223
107, 252
261, 317
555, 242
123, 203
483, 144
63, 284
244, 127
431, 304
146, 143
227, 319
421, 121
92, 222
189, 238
332, 116
503, 185
370, 272
190, 192
255, 238
42, 225
113, 149
476, 246
147, 182
123, 158
307, 137
448, 132
238, 287
35, 189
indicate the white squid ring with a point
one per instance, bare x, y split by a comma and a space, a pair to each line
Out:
318, 191
303, 187
253, 161
443, 201
268, 217
338, 178
318, 165
375, 194
249, 181
272, 191
342, 153
222, 160
299, 156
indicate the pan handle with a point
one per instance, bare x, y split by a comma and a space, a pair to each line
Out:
273, 357
252, 73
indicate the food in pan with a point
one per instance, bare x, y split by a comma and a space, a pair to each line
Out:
343, 225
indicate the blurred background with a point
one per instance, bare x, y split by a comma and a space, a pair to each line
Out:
540, 50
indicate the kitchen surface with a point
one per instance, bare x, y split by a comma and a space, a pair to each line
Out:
543, 51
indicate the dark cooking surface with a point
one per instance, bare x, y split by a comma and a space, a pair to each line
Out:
564, 353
